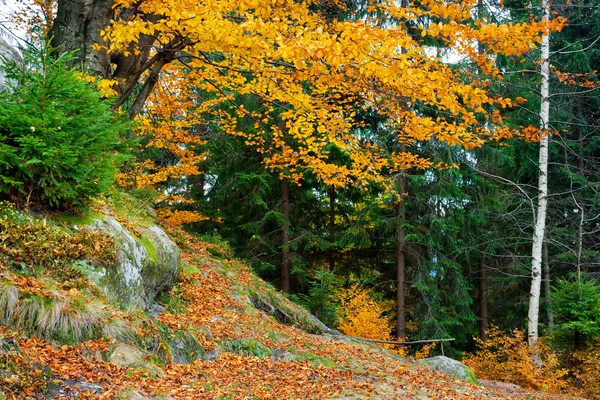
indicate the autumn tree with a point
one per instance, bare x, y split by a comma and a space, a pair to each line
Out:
311, 72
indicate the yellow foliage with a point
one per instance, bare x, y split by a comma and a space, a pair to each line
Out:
506, 357
307, 74
586, 371
425, 351
362, 315
178, 218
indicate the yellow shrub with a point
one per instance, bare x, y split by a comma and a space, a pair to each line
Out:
508, 358
586, 371
362, 315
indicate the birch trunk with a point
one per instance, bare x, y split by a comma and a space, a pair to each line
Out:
540, 220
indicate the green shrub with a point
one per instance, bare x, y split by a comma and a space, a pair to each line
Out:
58, 139
577, 312
322, 300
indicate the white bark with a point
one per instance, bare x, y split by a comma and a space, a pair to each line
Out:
540, 220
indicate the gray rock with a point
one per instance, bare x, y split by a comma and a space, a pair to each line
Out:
125, 355
211, 355
7, 53
185, 348
146, 265
133, 395
72, 389
451, 367
285, 356
156, 309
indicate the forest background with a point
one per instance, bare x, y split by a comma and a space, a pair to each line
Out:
336, 148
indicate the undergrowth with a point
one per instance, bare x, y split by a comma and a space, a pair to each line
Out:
34, 246
506, 357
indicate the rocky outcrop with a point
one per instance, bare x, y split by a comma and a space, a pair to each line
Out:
7, 53
125, 355
451, 367
147, 263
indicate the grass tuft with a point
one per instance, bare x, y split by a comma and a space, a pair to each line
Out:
9, 298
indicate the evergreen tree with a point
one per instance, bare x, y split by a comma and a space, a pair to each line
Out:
58, 139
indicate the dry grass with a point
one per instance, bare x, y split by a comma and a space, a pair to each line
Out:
9, 298
59, 317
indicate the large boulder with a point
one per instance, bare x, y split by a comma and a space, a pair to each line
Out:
451, 367
147, 263
7, 53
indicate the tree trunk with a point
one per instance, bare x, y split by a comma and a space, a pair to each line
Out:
285, 251
540, 220
401, 261
77, 27
331, 227
483, 300
580, 167
547, 282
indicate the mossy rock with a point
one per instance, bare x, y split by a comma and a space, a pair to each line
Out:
147, 264
451, 367
185, 348
246, 347
316, 360
80, 219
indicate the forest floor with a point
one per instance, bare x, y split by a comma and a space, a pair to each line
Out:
256, 345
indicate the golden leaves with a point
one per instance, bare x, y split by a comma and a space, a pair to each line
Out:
310, 76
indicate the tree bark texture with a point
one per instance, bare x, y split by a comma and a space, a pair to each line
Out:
483, 300
331, 227
285, 250
77, 28
401, 262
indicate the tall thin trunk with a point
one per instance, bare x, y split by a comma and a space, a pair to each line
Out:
579, 206
580, 241
401, 261
540, 220
285, 251
401, 239
331, 227
483, 300
547, 282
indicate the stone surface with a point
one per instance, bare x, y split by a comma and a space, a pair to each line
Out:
185, 348
133, 395
125, 355
9, 53
72, 389
147, 264
451, 367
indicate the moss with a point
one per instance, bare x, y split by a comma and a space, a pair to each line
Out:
185, 348
191, 269
316, 360
80, 219
149, 246
246, 347
470, 375
133, 209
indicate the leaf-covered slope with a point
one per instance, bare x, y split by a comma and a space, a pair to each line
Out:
240, 337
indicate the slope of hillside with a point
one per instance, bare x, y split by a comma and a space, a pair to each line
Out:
219, 333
